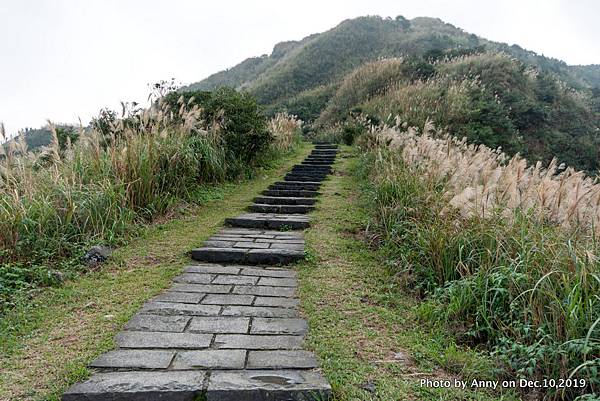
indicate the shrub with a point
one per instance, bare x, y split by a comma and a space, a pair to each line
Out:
243, 127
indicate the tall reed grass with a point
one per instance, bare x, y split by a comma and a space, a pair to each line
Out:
505, 253
55, 203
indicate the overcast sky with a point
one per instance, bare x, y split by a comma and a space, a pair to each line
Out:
64, 59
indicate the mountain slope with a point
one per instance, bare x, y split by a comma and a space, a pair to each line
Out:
323, 59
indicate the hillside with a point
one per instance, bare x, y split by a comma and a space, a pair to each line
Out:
321, 59
424, 69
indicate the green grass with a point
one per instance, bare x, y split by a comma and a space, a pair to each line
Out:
360, 319
47, 343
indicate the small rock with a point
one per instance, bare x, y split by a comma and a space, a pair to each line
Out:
368, 386
96, 255
109, 317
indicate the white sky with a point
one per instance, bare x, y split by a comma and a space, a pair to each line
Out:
64, 59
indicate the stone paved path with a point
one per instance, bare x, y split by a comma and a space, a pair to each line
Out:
228, 329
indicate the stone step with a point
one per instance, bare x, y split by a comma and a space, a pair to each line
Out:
316, 163
282, 209
308, 178
286, 193
305, 167
252, 256
319, 174
320, 159
223, 385
280, 200
269, 220
307, 185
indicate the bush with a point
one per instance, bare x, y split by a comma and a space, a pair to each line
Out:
243, 126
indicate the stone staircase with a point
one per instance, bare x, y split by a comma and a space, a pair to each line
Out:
228, 329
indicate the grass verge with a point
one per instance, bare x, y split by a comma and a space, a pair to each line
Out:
367, 333
47, 343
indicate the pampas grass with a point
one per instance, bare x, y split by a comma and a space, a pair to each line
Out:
506, 251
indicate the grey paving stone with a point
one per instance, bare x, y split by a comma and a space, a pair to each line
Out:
278, 282
278, 302
182, 297
230, 238
273, 256
238, 280
274, 200
288, 246
259, 311
290, 193
278, 326
281, 360
268, 385
212, 269
218, 243
203, 288
157, 323
139, 359
223, 255
138, 386
210, 359
269, 220
166, 308
237, 230
251, 245
219, 324
228, 299
265, 291
194, 278
149, 339
264, 236
249, 271
246, 341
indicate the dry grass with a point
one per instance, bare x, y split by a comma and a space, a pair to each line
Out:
480, 181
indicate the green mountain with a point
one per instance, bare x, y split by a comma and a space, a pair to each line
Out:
427, 70
323, 59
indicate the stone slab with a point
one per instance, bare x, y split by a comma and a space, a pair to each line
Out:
138, 386
290, 193
194, 278
212, 269
137, 359
202, 288
228, 299
268, 385
150, 339
210, 359
213, 254
237, 280
278, 302
169, 309
274, 200
247, 341
265, 291
278, 326
258, 311
143, 322
219, 324
278, 282
179, 297
274, 256
298, 359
